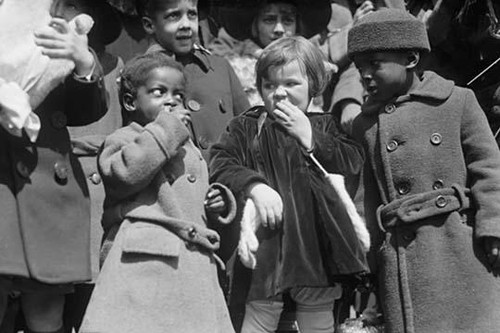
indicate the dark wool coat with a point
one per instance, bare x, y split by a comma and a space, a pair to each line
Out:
433, 273
152, 279
315, 242
213, 94
44, 233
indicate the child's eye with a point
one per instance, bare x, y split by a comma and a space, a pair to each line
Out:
269, 20
268, 86
173, 16
179, 97
157, 92
192, 14
289, 20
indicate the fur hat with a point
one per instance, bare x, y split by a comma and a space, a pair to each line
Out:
387, 30
236, 16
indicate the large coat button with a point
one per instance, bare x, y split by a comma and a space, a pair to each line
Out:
441, 201
58, 120
193, 105
390, 108
61, 170
392, 145
436, 138
95, 178
191, 178
403, 188
438, 184
22, 169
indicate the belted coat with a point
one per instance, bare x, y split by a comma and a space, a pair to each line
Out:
45, 219
155, 278
432, 267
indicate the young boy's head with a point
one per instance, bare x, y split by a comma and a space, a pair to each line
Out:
171, 23
150, 84
385, 46
293, 69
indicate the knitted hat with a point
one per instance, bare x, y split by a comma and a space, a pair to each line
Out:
387, 30
236, 16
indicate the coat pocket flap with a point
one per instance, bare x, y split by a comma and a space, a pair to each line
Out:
145, 238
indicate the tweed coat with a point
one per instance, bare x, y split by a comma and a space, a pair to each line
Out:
154, 279
44, 234
213, 95
433, 272
315, 242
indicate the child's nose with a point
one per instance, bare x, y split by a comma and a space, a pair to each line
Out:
278, 28
280, 93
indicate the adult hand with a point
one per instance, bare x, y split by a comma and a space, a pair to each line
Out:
268, 204
59, 41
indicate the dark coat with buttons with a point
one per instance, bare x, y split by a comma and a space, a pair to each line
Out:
213, 94
153, 280
316, 242
44, 233
433, 272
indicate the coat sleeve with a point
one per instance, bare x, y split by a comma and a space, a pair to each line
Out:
333, 149
85, 101
482, 158
229, 163
131, 157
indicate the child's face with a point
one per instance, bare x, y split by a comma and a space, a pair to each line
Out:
174, 25
384, 74
274, 21
286, 82
163, 91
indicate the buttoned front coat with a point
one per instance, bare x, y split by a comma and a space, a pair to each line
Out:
153, 280
45, 213
433, 272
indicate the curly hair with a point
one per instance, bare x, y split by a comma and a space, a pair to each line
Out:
136, 72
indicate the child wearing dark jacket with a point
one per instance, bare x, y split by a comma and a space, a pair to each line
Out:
432, 183
265, 156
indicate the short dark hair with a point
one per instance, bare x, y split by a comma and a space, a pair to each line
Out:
285, 50
136, 71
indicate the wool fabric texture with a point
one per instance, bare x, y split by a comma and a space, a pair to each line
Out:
387, 30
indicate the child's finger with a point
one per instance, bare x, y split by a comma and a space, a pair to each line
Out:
213, 192
280, 115
271, 219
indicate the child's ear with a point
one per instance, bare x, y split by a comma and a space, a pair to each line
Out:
148, 25
129, 102
413, 59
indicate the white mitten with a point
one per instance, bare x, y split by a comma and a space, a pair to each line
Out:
338, 184
249, 243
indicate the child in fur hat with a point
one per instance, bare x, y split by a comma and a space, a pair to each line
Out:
432, 184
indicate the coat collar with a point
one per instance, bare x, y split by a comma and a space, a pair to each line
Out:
200, 55
432, 86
